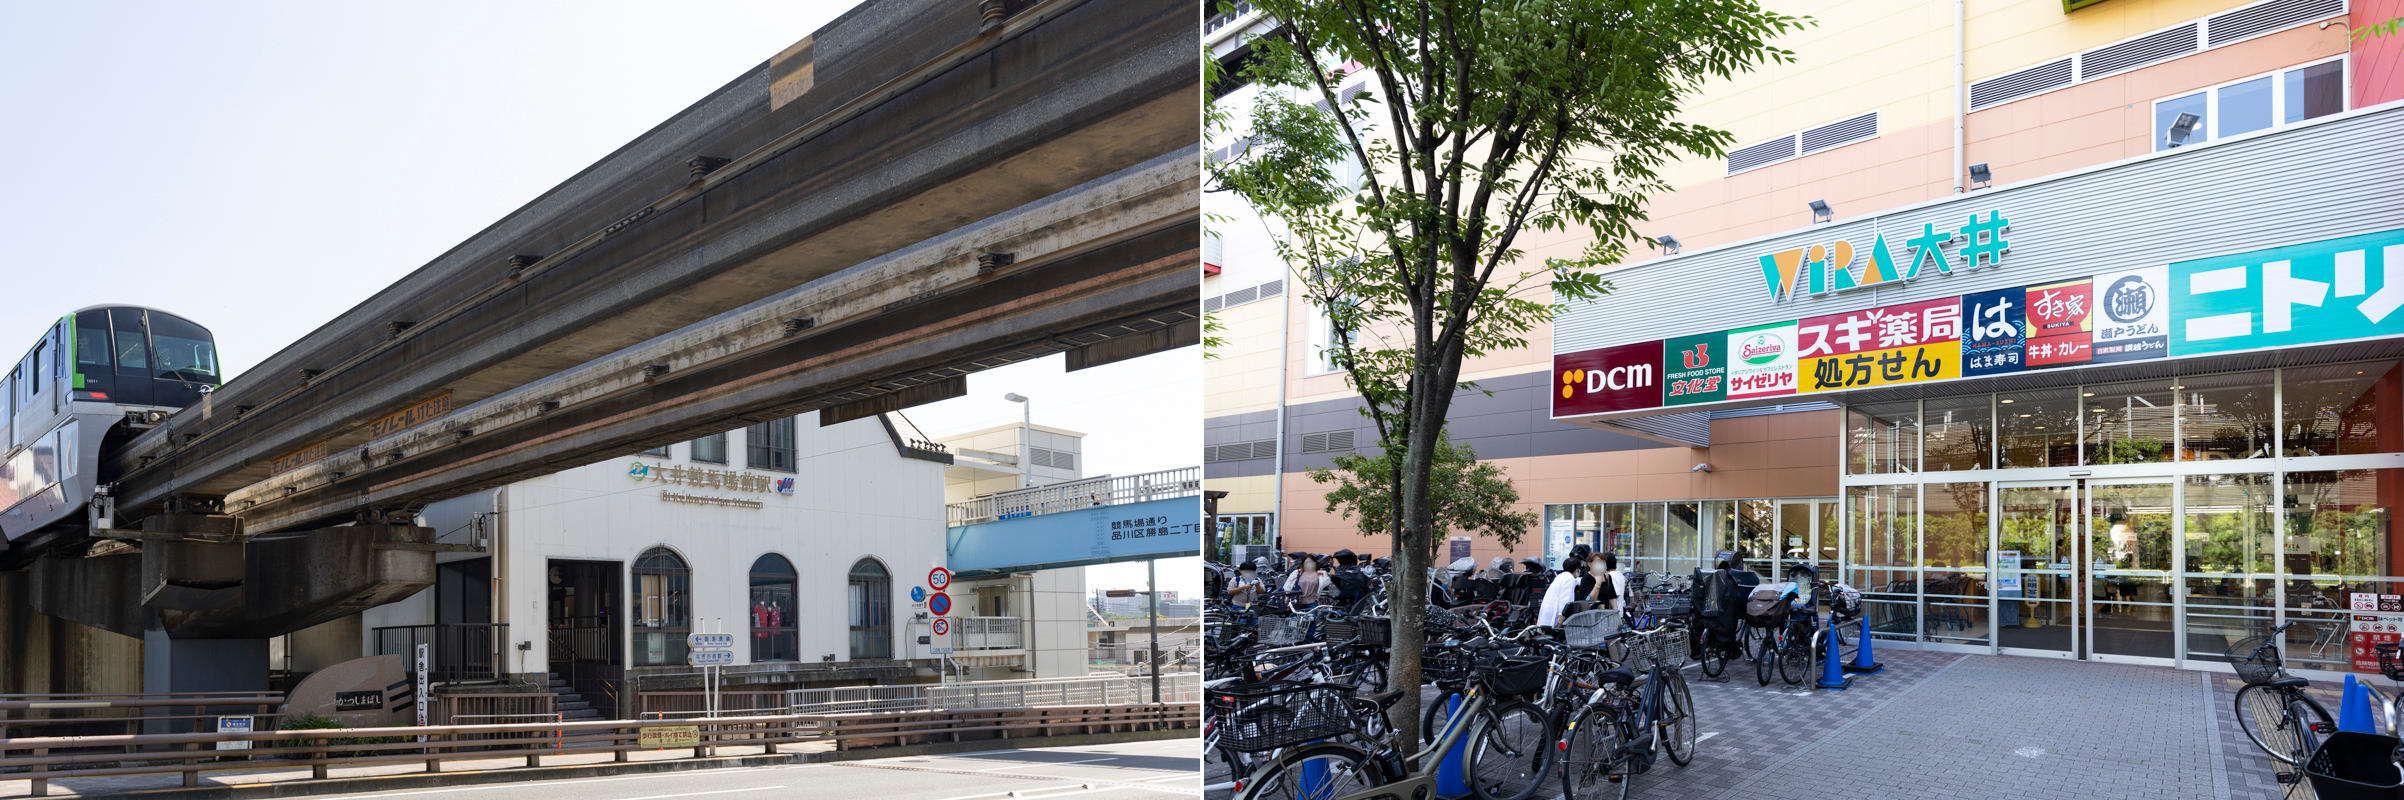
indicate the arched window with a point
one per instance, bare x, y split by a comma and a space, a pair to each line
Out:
773, 637
663, 608
871, 611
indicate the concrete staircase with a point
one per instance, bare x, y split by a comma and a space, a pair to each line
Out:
572, 705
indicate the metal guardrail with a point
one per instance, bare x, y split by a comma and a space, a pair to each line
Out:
432, 745
1181, 687
462, 651
986, 633
1088, 493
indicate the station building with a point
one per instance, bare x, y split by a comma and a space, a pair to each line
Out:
2114, 378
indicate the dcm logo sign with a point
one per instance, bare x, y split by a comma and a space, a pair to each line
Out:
1822, 269
1610, 379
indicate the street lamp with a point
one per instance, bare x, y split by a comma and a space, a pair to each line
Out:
1026, 439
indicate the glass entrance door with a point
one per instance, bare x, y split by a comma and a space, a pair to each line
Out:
1806, 532
2040, 569
2131, 545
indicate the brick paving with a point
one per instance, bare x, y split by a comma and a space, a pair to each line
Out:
1967, 726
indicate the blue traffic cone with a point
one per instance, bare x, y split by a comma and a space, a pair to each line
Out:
1451, 776
2354, 710
1832, 672
1863, 662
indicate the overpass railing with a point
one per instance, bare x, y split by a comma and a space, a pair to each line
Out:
461, 651
1073, 495
1183, 687
41, 760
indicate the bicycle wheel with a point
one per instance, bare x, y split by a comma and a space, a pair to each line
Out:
1677, 716
1372, 676
1223, 767
1319, 771
2314, 719
1794, 661
1437, 712
2268, 717
1765, 657
1586, 748
1509, 752
1714, 658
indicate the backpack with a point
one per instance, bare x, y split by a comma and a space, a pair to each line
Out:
1767, 608
1350, 584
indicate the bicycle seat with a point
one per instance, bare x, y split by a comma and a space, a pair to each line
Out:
2288, 682
1619, 677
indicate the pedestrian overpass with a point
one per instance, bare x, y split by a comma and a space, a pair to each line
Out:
1080, 523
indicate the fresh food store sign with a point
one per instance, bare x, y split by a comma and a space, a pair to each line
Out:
1826, 268
2326, 291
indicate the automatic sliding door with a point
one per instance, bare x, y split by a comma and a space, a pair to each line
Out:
2037, 581
2130, 541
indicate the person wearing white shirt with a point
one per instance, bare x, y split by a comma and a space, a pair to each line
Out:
1313, 584
1562, 592
1619, 583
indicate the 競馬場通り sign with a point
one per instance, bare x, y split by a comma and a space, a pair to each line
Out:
2333, 290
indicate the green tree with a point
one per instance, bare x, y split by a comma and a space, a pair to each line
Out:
1491, 119
1469, 495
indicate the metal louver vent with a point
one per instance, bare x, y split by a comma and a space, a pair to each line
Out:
1769, 152
2015, 85
1841, 132
2266, 17
1331, 442
1273, 288
1242, 296
1240, 451
1213, 303
2137, 52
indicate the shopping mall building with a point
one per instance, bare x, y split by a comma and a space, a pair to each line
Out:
2108, 366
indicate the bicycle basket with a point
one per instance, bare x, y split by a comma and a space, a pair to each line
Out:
1588, 629
1283, 631
2256, 659
1663, 646
1446, 665
1267, 716
1517, 677
1670, 604
2352, 764
1439, 619
1337, 631
1374, 631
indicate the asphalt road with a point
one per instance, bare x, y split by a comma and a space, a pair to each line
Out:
1155, 770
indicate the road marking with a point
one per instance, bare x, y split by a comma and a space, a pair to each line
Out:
1699, 739
1048, 764
580, 782
2032, 752
698, 794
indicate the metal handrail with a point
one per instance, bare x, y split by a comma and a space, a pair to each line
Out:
1074, 495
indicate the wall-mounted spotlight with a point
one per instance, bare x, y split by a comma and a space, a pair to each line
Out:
1669, 245
1820, 212
2182, 129
1704, 467
1980, 176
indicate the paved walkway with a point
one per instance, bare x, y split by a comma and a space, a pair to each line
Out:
1967, 726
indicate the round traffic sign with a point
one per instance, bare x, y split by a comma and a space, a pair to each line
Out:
940, 604
918, 594
943, 626
939, 578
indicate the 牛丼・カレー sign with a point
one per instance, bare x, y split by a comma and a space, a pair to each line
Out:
1610, 379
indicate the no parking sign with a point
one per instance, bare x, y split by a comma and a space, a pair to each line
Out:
943, 627
940, 604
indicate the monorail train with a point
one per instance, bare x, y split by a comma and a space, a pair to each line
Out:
94, 380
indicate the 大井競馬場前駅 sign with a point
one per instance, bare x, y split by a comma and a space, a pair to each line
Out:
2332, 290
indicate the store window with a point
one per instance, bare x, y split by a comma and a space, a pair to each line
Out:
2037, 428
1954, 561
774, 634
2226, 417
709, 449
2338, 523
1883, 438
1958, 433
2129, 423
1884, 523
1681, 551
769, 445
871, 611
663, 614
2264, 101
2342, 409
656, 452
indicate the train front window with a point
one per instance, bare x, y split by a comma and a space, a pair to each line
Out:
183, 350
133, 347
92, 339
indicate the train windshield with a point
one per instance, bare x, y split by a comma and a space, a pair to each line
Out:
182, 350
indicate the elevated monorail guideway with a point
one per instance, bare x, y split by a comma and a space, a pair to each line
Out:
901, 123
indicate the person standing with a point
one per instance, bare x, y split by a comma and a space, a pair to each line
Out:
1561, 592
1247, 588
1311, 583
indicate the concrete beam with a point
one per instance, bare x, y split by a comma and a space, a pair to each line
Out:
896, 299
1063, 96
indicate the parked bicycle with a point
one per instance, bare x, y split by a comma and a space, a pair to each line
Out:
2273, 709
1623, 725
